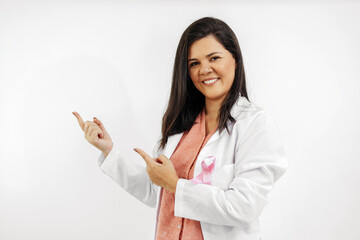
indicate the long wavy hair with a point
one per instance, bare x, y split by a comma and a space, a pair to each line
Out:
186, 102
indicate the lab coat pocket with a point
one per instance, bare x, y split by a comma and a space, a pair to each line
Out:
223, 176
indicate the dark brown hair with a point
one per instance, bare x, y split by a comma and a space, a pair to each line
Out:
186, 102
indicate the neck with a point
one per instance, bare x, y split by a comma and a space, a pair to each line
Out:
212, 108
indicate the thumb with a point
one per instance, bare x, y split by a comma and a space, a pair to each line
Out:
99, 123
163, 159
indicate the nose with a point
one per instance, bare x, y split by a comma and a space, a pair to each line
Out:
205, 69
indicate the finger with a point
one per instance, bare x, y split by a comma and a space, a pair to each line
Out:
101, 126
80, 120
98, 122
87, 130
163, 159
98, 132
95, 134
87, 127
158, 161
101, 134
144, 155
91, 131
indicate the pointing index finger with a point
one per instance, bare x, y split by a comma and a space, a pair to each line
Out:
80, 120
144, 155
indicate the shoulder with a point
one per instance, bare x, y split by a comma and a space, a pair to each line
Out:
244, 110
249, 117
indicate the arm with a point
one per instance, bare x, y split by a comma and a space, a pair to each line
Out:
130, 175
259, 163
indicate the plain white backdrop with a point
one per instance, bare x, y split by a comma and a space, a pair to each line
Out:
114, 59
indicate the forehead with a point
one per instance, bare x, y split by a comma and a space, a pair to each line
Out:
204, 46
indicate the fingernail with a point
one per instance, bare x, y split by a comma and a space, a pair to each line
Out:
135, 149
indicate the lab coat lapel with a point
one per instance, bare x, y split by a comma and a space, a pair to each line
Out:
174, 139
215, 136
171, 144
235, 111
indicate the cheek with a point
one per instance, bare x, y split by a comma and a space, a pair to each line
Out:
193, 77
229, 70
196, 84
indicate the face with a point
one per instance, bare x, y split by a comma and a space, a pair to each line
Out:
211, 68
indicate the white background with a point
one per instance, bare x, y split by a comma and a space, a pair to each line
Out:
114, 59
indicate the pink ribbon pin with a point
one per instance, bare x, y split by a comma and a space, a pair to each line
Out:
207, 166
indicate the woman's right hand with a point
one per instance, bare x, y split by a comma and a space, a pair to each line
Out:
96, 134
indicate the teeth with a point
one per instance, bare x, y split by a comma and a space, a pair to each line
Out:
211, 81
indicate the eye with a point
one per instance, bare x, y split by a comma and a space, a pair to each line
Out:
214, 58
193, 64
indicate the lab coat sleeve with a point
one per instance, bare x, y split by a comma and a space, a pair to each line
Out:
130, 175
259, 162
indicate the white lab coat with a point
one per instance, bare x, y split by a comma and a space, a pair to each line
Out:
250, 158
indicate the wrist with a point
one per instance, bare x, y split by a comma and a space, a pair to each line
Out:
106, 153
173, 190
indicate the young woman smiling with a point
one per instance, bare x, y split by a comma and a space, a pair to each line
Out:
219, 154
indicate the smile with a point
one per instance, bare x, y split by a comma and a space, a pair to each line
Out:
210, 81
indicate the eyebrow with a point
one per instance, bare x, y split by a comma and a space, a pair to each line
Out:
209, 55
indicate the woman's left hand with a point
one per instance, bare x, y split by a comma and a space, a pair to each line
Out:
160, 170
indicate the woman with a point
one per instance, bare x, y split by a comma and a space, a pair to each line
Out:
219, 154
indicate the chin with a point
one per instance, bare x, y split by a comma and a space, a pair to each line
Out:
214, 97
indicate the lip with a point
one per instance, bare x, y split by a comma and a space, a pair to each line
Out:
210, 84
